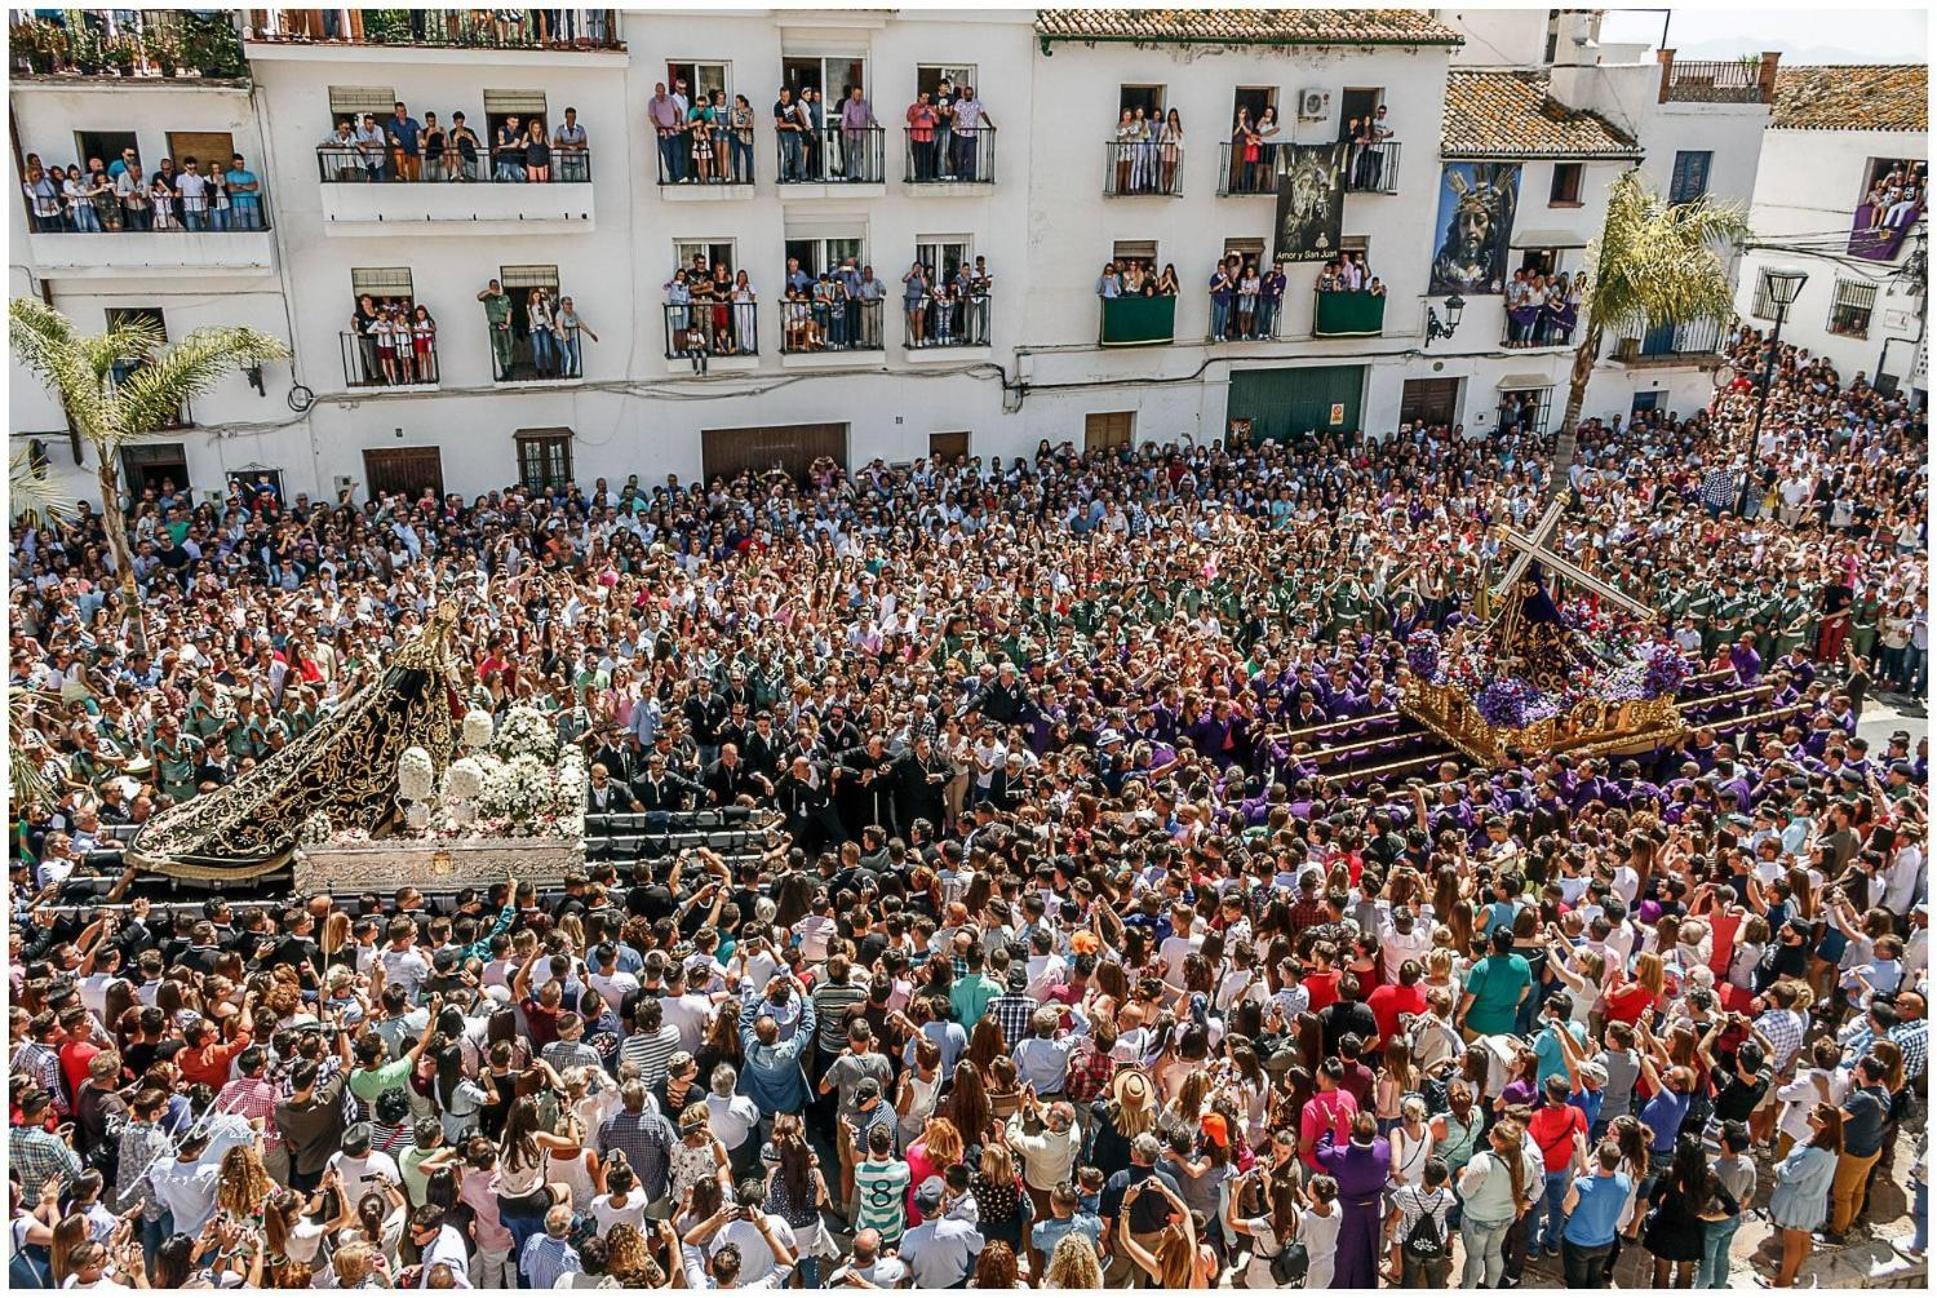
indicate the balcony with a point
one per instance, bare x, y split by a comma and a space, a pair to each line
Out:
110, 237
704, 336
370, 364
830, 332
721, 169
833, 162
1737, 81
944, 330
1239, 320
942, 164
462, 30
537, 356
1235, 176
1138, 321
1691, 343
1358, 314
1539, 324
366, 192
1373, 168
129, 43
1143, 168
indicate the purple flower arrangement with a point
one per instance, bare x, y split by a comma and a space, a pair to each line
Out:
1664, 670
1422, 654
1502, 703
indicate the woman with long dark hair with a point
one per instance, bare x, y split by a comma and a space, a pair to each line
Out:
796, 1191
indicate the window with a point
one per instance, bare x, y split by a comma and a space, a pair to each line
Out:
929, 77
1356, 104
1254, 100
1138, 250
500, 106
119, 316
1690, 179
383, 285
1526, 410
1540, 261
709, 254
832, 76
941, 255
1148, 98
817, 255
1566, 189
544, 456
160, 467
702, 80
352, 102
1849, 313
1764, 306
107, 146
1108, 430
948, 448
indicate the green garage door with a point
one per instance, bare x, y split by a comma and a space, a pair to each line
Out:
1292, 403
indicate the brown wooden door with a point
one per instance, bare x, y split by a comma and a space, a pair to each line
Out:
725, 452
947, 448
406, 469
1433, 401
205, 147
1108, 430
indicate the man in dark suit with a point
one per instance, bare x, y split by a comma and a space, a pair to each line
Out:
605, 795
864, 787
920, 775
730, 777
705, 713
660, 790
804, 799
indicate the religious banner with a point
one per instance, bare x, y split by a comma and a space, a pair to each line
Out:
1476, 206
1311, 201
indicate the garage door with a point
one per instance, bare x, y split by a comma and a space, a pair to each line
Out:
725, 452
1294, 403
405, 469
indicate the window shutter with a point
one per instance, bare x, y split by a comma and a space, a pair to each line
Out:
381, 281
521, 102
545, 277
1135, 250
355, 101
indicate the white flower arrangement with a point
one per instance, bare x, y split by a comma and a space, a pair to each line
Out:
527, 732
477, 729
314, 831
416, 778
464, 780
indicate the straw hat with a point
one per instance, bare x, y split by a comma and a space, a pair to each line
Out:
1131, 1089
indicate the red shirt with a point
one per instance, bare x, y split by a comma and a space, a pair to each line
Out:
1322, 988
1552, 1128
75, 1056
1388, 1002
1629, 1003
210, 1064
1326, 1111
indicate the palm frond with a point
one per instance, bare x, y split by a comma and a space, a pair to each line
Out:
1657, 263
26, 784
29, 491
45, 342
153, 395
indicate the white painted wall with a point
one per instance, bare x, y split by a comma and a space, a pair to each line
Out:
1810, 183
1045, 227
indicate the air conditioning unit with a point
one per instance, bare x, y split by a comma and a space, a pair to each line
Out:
1314, 105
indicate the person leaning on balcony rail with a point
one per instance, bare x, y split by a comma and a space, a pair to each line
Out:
406, 144
508, 150
569, 145
437, 144
967, 119
372, 146
469, 149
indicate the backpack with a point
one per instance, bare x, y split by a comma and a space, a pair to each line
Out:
1424, 1242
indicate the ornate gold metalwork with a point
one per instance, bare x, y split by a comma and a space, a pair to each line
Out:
1592, 727
345, 768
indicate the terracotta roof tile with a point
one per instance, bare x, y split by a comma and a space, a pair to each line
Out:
1248, 26
1853, 97
1514, 115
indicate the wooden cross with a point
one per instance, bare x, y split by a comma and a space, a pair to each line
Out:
1538, 546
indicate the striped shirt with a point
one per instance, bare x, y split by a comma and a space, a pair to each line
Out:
652, 1052
832, 1000
880, 1196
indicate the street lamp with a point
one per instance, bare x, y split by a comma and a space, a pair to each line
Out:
1784, 286
1455, 305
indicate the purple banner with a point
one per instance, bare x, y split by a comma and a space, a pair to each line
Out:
1876, 237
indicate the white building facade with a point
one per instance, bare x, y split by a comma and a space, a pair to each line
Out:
1838, 134
1037, 361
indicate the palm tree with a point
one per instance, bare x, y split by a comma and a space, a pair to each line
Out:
112, 412
32, 497
1655, 263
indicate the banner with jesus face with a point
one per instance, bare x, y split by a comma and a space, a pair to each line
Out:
1476, 207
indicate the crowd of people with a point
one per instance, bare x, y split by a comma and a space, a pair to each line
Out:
120, 197
401, 149
1076, 961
